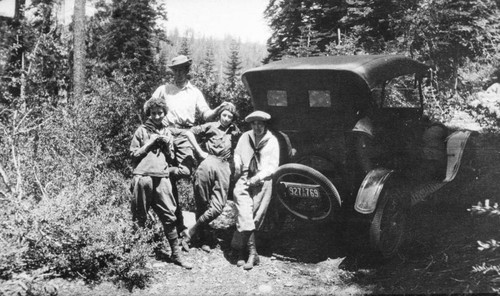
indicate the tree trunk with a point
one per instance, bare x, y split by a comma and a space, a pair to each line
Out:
79, 50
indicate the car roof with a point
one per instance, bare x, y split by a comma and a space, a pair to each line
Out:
373, 69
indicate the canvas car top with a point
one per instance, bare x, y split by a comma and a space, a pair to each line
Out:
373, 69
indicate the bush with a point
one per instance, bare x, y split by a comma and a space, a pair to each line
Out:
84, 232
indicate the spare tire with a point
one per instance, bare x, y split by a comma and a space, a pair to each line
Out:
305, 192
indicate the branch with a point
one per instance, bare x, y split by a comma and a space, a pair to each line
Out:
27, 130
42, 189
5, 178
18, 171
5, 194
21, 121
5, 110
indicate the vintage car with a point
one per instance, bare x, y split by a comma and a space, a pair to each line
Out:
359, 136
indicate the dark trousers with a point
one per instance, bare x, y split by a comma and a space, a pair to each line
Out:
153, 192
211, 188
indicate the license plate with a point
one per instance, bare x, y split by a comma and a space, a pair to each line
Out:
302, 190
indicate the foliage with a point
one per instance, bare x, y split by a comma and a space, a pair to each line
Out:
233, 66
38, 59
297, 24
64, 212
83, 232
231, 90
485, 211
122, 38
453, 37
251, 54
185, 47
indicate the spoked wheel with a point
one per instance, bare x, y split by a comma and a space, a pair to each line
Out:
388, 225
305, 192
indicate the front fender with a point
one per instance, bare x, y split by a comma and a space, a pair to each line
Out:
455, 146
370, 189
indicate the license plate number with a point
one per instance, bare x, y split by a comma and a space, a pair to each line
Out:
303, 191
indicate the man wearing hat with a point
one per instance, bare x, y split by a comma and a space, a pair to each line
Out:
183, 101
256, 158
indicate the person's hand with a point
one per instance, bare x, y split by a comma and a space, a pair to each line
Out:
152, 140
224, 104
253, 181
163, 139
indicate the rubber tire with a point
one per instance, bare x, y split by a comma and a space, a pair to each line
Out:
314, 175
394, 200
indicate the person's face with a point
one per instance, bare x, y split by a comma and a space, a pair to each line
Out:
258, 127
226, 118
157, 114
180, 74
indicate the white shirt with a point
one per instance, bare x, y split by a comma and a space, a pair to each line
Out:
269, 155
182, 104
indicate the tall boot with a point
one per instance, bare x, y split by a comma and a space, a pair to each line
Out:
205, 239
173, 240
242, 252
253, 257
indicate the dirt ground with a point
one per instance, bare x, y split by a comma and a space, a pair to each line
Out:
437, 256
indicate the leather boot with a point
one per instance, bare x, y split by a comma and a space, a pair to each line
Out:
241, 257
176, 256
242, 251
209, 241
253, 257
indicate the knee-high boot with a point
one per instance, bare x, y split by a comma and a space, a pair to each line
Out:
242, 252
253, 257
173, 240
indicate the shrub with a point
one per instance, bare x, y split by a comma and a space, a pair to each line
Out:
84, 232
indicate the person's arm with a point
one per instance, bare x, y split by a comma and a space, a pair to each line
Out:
196, 146
137, 149
238, 163
211, 114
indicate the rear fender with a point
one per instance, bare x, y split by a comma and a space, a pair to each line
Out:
370, 189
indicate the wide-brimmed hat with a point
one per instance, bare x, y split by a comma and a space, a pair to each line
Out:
257, 115
181, 60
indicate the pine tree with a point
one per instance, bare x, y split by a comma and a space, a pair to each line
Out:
233, 66
301, 24
206, 79
207, 66
185, 49
124, 38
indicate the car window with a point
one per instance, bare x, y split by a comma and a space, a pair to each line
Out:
277, 98
401, 92
320, 98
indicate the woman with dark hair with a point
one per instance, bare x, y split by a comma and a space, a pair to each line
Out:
211, 183
152, 154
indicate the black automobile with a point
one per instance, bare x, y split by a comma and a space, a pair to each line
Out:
359, 136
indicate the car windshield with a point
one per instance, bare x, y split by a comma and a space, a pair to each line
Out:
399, 92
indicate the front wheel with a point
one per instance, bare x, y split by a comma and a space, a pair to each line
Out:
389, 222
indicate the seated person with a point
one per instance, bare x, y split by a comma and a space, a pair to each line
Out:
211, 183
